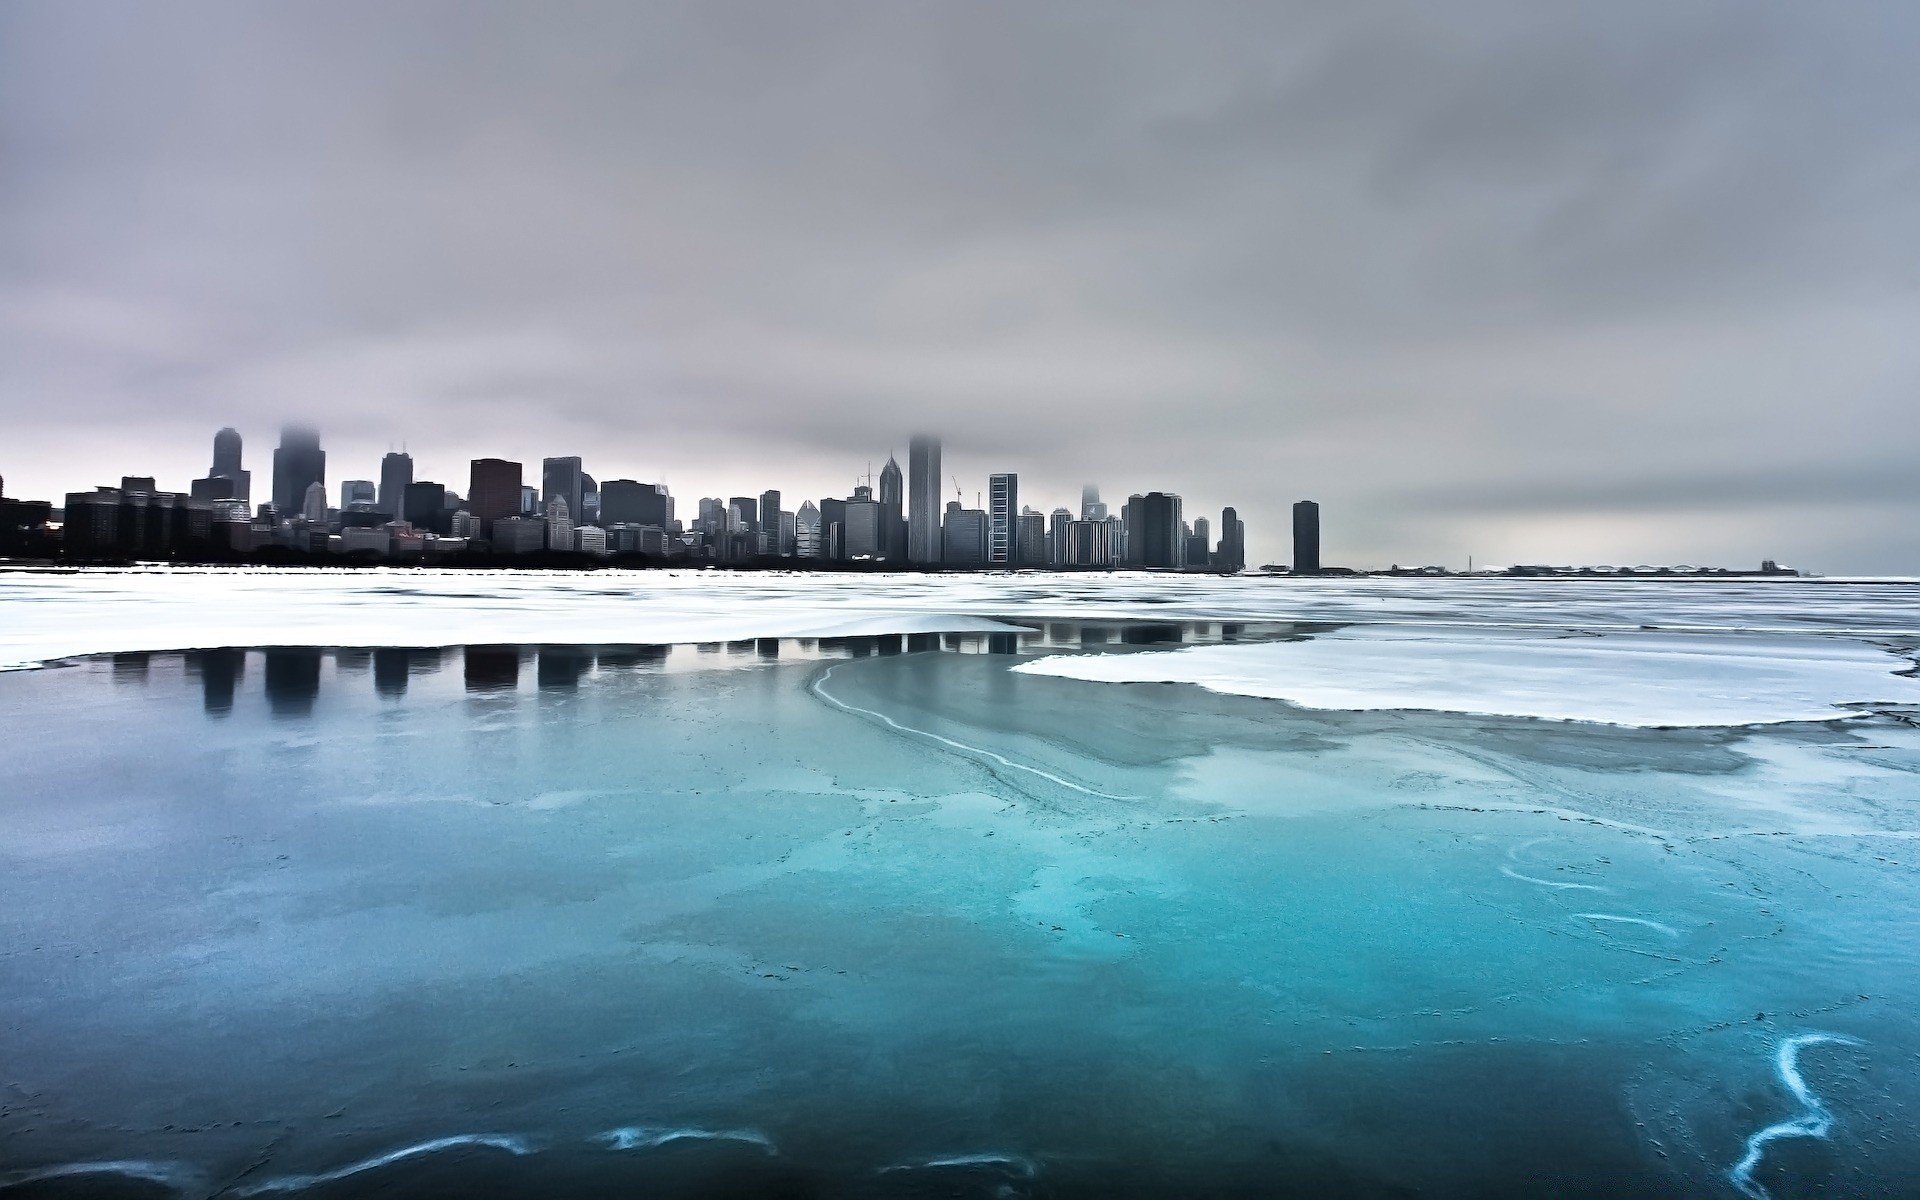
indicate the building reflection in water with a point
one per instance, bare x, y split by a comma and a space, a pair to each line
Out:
394, 665
220, 672
562, 666
767, 647
921, 643
627, 657
1003, 643
131, 668
1152, 635
492, 668
292, 680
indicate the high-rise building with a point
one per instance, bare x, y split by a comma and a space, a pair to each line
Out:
298, 462
396, 472
806, 531
965, 533
313, 506
924, 533
1090, 507
529, 500
357, 491
749, 512
227, 480
627, 502
1003, 512
1032, 542
893, 513
563, 477
1232, 555
423, 505
559, 522
1306, 538
1058, 527
1162, 532
493, 491
862, 532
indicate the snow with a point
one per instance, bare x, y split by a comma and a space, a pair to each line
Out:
1639, 679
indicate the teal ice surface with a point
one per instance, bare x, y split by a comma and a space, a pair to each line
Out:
919, 914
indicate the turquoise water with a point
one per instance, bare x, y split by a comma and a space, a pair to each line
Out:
879, 917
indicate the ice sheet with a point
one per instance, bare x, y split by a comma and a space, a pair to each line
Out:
1643, 679
46, 615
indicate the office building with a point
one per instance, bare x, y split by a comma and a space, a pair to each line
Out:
627, 502
1031, 548
749, 510
227, 480
1003, 510
423, 505
529, 500
1306, 538
357, 491
298, 463
313, 506
518, 535
862, 535
1161, 532
563, 479
964, 532
806, 530
1232, 554
396, 472
559, 523
1058, 525
590, 539
925, 534
493, 491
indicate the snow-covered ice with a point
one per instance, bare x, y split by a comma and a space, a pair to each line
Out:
1644, 679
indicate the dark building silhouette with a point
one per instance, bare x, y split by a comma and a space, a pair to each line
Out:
396, 472
112, 523
227, 480
424, 505
298, 463
925, 540
749, 509
1232, 553
562, 666
1306, 538
626, 502
563, 477
292, 680
1162, 534
390, 671
493, 491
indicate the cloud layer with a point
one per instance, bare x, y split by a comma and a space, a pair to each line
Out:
1530, 281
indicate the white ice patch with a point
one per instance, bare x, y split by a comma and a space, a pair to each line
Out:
1639, 679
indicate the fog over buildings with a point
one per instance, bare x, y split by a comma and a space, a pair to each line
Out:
1624, 282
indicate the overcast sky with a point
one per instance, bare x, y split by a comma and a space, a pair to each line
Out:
1601, 282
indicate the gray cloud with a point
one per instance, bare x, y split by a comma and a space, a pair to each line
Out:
1554, 281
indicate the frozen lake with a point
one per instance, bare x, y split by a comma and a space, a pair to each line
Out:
682, 885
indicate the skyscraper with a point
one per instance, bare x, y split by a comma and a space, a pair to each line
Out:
749, 511
1233, 542
227, 480
493, 491
396, 472
923, 500
298, 463
1003, 516
893, 514
770, 521
356, 491
1090, 507
806, 531
313, 505
559, 522
423, 504
563, 477
1306, 538
965, 531
1161, 534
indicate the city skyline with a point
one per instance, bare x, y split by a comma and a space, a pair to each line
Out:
1656, 308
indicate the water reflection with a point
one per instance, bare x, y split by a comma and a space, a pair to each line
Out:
131, 668
492, 668
292, 680
220, 672
562, 666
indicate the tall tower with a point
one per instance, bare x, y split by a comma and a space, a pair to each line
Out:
893, 519
396, 472
493, 491
1090, 507
563, 477
298, 463
1306, 538
226, 463
923, 500
1233, 541
1003, 515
